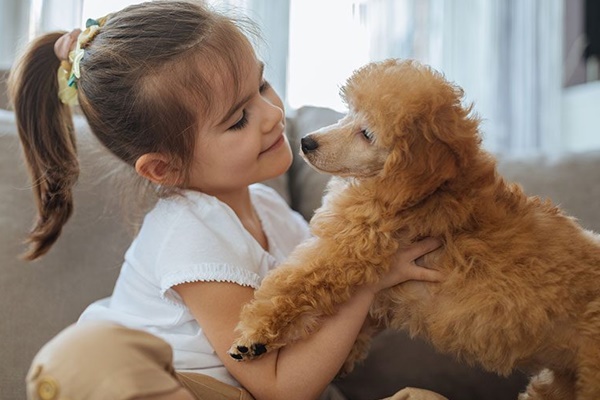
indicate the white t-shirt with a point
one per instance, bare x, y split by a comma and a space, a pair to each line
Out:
191, 238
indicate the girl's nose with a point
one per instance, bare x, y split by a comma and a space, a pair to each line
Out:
273, 115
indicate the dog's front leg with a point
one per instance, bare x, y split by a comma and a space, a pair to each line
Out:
293, 298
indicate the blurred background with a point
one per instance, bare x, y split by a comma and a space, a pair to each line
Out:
530, 66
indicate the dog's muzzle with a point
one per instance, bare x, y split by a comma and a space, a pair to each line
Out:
308, 144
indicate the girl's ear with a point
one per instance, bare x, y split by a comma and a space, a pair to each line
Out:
157, 168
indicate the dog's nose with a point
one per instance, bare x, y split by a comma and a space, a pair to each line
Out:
308, 144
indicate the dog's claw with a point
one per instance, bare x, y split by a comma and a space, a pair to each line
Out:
243, 353
259, 349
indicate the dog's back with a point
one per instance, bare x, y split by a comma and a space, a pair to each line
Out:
522, 287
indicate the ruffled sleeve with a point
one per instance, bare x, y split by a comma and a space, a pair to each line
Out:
200, 239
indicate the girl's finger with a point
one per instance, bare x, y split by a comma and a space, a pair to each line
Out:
426, 274
421, 248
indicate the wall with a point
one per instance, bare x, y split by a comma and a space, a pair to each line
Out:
581, 117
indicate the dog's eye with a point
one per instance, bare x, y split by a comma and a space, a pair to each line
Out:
367, 135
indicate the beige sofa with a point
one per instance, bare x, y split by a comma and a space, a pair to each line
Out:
43, 297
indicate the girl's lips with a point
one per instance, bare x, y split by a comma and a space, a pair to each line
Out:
275, 145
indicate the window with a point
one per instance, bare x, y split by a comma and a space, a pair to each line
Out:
327, 42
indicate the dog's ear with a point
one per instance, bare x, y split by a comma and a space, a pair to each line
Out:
452, 123
415, 169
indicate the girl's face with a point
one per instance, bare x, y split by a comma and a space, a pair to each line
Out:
244, 142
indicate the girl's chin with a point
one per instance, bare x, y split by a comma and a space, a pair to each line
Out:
280, 169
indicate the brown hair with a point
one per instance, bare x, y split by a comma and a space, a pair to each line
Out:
145, 86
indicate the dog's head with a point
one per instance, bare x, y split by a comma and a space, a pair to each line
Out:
405, 121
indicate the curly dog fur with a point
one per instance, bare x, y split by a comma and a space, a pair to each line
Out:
522, 278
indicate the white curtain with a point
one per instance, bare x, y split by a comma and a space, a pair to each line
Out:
506, 54
517, 72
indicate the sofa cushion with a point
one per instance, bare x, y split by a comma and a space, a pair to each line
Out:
306, 184
572, 181
42, 297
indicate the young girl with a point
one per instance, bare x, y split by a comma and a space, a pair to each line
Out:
177, 92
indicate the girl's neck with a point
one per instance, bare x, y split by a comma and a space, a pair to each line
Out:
241, 204
239, 201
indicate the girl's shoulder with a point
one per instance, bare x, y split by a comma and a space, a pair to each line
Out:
189, 214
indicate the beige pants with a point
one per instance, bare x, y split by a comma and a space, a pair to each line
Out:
104, 361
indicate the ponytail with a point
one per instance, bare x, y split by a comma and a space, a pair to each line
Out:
46, 131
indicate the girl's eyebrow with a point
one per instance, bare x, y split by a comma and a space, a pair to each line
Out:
241, 102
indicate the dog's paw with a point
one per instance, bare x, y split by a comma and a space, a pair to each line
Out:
240, 352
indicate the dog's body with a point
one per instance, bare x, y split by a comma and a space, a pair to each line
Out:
522, 286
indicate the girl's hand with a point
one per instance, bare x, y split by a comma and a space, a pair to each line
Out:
407, 265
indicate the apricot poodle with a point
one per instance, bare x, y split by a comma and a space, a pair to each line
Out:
522, 286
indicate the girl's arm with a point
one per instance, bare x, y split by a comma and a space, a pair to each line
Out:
303, 369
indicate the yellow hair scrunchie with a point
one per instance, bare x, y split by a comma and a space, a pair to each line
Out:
69, 73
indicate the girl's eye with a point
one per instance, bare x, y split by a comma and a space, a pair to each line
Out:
241, 123
367, 135
244, 120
